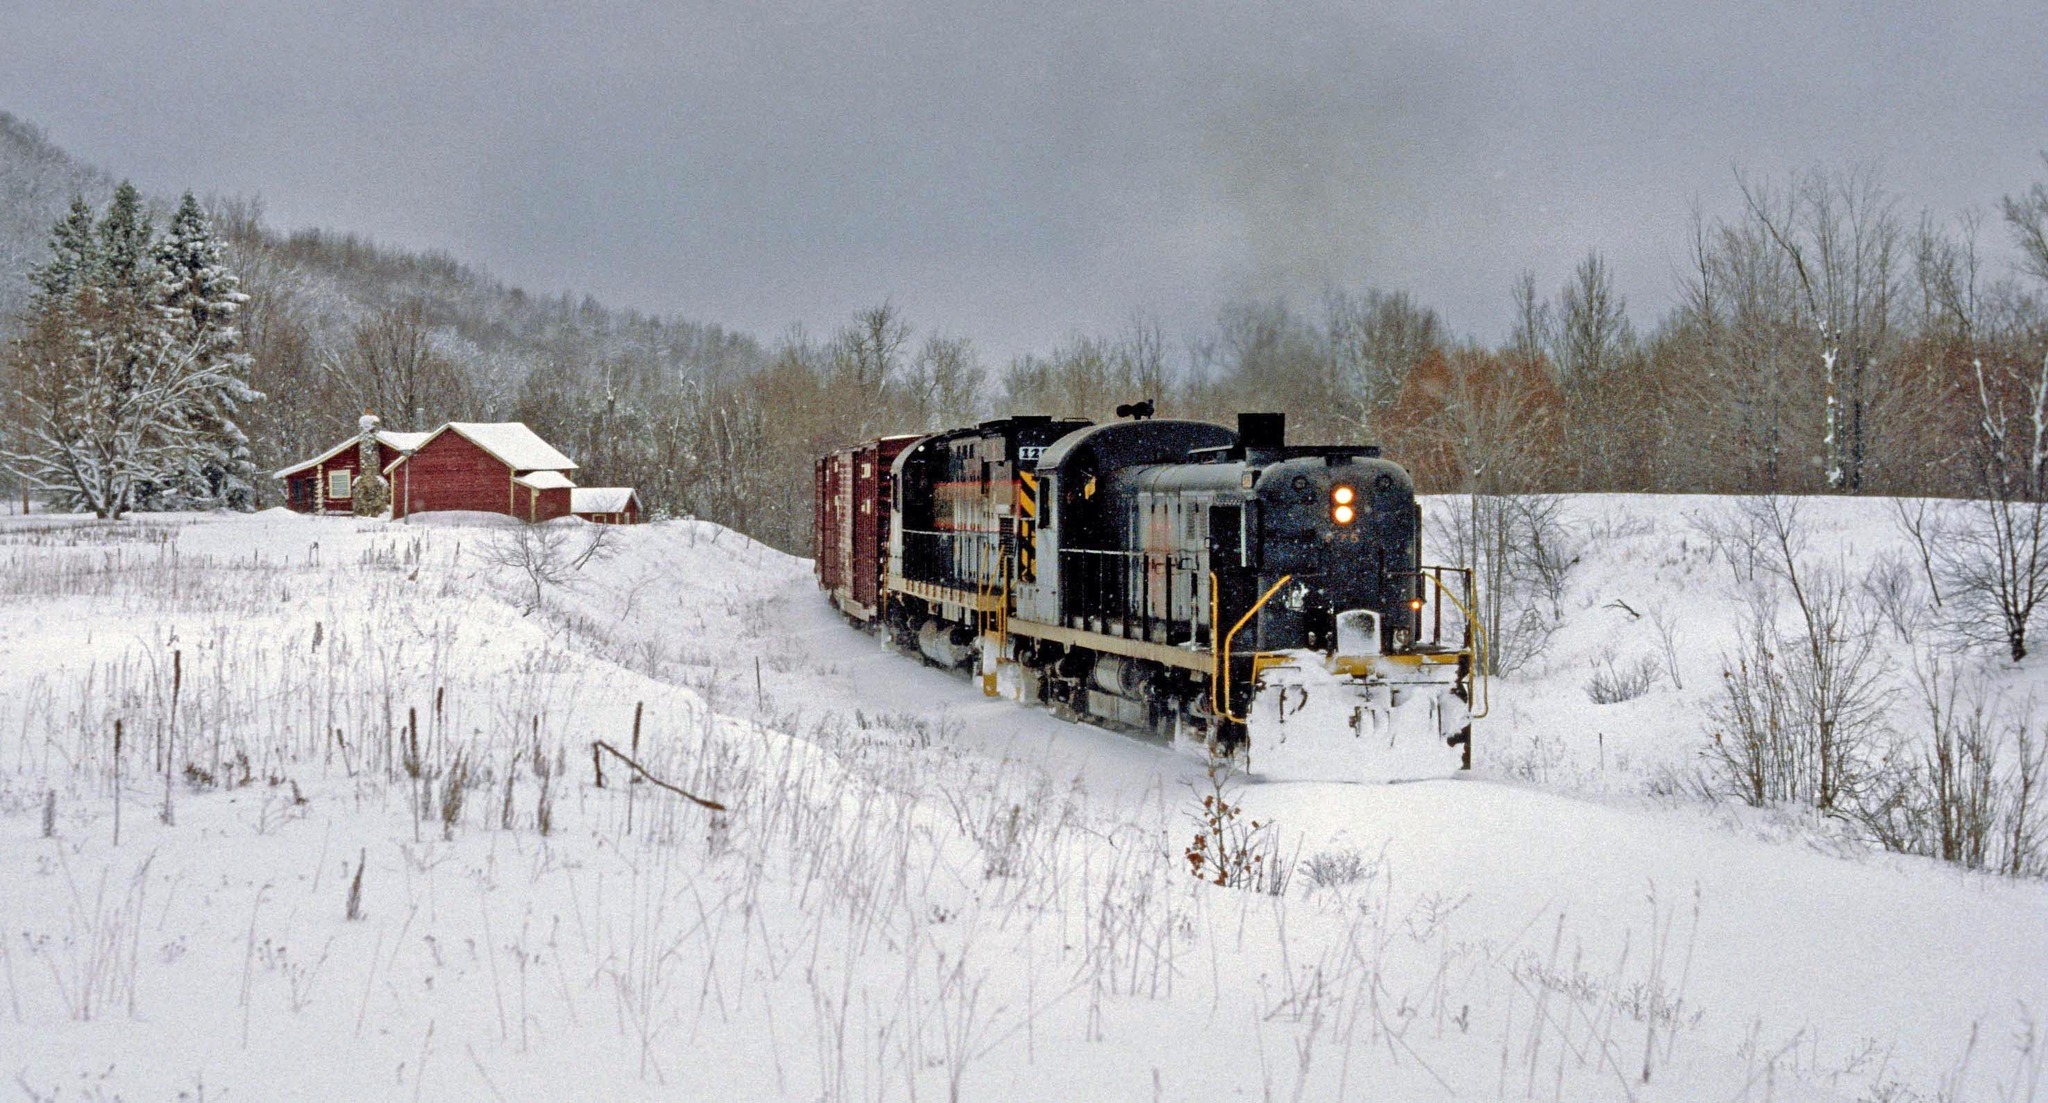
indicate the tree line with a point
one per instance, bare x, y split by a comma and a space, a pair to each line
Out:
1826, 340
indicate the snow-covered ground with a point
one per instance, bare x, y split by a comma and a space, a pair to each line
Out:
914, 891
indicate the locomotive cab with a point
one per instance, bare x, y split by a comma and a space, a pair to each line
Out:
1344, 526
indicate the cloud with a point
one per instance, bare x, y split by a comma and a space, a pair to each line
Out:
1019, 172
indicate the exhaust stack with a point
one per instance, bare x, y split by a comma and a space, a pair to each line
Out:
1263, 438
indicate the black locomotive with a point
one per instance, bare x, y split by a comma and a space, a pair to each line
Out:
1181, 578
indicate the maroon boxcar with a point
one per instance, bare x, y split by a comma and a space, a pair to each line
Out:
850, 523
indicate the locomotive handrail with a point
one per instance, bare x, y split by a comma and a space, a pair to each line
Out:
1219, 703
1478, 637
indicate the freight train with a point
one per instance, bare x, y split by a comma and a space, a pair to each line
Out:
1242, 596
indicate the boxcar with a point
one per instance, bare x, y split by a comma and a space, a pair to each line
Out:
850, 523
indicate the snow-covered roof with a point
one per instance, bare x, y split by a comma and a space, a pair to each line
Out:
545, 480
521, 448
400, 441
600, 499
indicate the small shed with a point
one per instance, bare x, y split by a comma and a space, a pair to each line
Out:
479, 466
545, 495
606, 505
326, 483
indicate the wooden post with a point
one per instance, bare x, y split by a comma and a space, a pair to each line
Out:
117, 782
638, 706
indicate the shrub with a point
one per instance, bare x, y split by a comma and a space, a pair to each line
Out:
1612, 685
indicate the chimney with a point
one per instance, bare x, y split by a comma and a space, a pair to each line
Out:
1263, 438
366, 444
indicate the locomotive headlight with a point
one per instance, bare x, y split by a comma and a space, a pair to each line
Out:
1341, 509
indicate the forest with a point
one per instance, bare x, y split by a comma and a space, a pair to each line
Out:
1826, 339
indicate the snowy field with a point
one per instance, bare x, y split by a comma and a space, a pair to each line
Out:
351, 847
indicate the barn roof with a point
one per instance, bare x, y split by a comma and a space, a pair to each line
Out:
511, 442
600, 499
398, 441
545, 480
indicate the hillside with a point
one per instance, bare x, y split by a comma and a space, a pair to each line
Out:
316, 293
37, 181
913, 891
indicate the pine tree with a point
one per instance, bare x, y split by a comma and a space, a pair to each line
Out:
122, 391
198, 297
126, 258
74, 253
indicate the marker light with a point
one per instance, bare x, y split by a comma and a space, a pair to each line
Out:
1342, 495
1415, 604
1343, 515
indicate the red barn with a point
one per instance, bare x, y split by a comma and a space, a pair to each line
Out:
606, 505
489, 467
324, 483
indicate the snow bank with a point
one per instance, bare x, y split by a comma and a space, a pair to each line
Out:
915, 891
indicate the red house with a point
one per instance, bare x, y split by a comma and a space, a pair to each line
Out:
324, 483
489, 467
606, 505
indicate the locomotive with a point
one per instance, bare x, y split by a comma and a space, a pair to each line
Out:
1242, 596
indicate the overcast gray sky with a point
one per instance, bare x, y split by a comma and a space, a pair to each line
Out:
1019, 172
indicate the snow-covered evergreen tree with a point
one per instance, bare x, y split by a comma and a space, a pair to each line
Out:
74, 251
198, 297
121, 393
127, 258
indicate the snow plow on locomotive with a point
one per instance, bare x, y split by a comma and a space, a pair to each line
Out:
1238, 594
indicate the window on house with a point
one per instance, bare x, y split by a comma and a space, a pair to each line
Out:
337, 483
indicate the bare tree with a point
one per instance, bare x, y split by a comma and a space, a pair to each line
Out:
1991, 561
867, 361
2027, 215
546, 554
1592, 347
1374, 342
1521, 555
943, 384
1841, 236
393, 368
1532, 332
1801, 711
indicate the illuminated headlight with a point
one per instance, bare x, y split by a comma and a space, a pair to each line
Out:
1343, 515
1343, 495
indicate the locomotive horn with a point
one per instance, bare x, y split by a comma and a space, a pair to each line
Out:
1136, 411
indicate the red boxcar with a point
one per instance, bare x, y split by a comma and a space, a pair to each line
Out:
850, 523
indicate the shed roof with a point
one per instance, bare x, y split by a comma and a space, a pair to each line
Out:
545, 480
399, 441
600, 499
